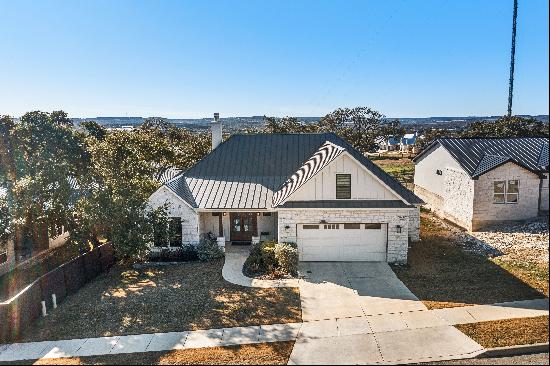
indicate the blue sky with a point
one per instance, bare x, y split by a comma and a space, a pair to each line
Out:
303, 58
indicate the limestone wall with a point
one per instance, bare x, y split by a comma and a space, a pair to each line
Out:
397, 242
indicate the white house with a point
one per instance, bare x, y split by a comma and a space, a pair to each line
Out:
315, 190
477, 182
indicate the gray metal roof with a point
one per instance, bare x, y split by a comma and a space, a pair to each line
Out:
245, 170
480, 155
346, 204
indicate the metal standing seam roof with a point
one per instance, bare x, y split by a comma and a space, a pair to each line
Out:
480, 155
245, 171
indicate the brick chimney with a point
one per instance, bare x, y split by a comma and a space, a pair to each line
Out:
216, 128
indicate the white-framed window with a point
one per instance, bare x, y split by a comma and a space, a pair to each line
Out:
343, 186
506, 191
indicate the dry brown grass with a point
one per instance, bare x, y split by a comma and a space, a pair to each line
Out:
256, 354
189, 296
443, 275
509, 332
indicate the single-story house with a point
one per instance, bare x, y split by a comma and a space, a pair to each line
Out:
388, 144
408, 141
314, 190
476, 182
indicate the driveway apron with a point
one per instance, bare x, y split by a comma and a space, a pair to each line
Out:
361, 313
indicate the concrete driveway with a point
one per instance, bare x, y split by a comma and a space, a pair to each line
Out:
349, 289
361, 313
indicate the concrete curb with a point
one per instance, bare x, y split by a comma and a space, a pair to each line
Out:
514, 350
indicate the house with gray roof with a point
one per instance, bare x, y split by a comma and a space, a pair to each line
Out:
477, 182
314, 190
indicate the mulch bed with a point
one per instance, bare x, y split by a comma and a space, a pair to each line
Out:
188, 296
442, 274
509, 332
256, 354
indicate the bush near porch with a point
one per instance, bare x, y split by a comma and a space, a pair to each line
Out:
272, 259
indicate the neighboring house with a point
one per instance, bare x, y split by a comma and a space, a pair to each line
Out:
477, 182
315, 190
407, 142
389, 144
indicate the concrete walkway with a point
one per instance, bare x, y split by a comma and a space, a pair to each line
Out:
356, 313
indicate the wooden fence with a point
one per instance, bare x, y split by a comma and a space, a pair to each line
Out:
20, 311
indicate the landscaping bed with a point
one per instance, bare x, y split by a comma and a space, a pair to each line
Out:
442, 273
276, 353
189, 296
509, 332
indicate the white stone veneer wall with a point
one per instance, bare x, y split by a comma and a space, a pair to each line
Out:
397, 242
486, 212
458, 193
414, 224
178, 208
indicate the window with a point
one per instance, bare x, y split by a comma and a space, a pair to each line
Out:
332, 226
310, 227
175, 232
373, 226
512, 191
343, 186
352, 226
267, 213
506, 191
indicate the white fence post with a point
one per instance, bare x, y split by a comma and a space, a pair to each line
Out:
44, 312
54, 301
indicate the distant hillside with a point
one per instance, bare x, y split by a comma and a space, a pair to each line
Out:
233, 124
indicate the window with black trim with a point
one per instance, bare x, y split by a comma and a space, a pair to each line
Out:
175, 232
343, 186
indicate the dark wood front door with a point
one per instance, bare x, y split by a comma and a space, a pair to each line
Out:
244, 225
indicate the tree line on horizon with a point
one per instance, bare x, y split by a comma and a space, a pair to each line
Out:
95, 182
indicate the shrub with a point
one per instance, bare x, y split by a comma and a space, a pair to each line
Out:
272, 258
286, 255
208, 248
186, 253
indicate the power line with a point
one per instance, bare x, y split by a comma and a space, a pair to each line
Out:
512, 60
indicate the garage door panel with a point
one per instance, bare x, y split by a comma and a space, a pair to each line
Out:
342, 244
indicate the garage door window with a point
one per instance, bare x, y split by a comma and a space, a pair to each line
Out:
311, 227
332, 226
352, 226
373, 226
343, 186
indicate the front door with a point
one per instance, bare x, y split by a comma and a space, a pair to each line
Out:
244, 225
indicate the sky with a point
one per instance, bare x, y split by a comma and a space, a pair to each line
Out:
189, 59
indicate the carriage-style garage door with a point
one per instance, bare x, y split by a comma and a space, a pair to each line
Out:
342, 242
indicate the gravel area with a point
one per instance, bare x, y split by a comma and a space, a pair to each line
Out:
526, 240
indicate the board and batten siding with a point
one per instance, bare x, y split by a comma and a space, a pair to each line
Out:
364, 186
178, 208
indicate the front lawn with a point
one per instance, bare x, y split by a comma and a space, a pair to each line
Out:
188, 296
509, 332
442, 274
254, 354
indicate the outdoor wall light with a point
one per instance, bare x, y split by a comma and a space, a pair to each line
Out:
287, 227
399, 229
225, 213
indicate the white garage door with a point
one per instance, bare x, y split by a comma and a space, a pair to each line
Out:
342, 242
